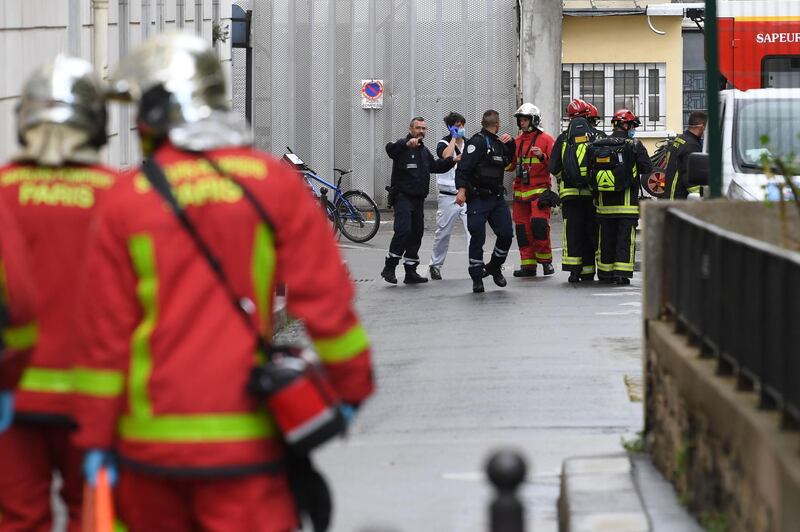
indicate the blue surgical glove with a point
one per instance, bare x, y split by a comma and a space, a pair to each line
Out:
453, 131
348, 412
6, 409
96, 459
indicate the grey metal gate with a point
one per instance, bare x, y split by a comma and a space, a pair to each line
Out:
433, 55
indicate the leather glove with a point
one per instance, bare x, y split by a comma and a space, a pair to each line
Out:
6, 409
97, 459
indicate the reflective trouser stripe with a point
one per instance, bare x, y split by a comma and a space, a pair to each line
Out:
46, 380
198, 428
22, 337
528, 262
343, 348
544, 256
586, 270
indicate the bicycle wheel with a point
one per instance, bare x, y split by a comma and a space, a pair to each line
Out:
359, 218
333, 216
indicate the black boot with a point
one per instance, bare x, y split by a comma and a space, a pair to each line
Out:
605, 280
525, 272
388, 274
623, 281
436, 273
412, 277
496, 271
548, 269
477, 285
574, 277
587, 278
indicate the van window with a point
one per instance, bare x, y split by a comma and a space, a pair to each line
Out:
777, 119
781, 72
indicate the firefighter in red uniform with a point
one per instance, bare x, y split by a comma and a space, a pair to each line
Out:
17, 311
196, 451
52, 189
532, 195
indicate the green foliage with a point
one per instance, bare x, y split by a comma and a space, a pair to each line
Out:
635, 445
715, 522
220, 33
682, 460
781, 171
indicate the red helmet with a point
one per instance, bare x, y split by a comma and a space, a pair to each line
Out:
626, 117
593, 112
577, 107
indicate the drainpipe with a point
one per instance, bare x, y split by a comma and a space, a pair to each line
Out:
100, 35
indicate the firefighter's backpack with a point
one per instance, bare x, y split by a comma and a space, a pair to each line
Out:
611, 163
573, 155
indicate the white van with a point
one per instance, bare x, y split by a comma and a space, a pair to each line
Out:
747, 117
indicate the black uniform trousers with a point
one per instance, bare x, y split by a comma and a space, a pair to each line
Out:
409, 225
491, 209
617, 247
580, 235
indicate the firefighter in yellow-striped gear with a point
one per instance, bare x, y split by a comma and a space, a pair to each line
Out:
568, 164
618, 209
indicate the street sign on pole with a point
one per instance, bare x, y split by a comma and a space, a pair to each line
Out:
372, 94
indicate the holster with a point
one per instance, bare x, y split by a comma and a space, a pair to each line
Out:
391, 197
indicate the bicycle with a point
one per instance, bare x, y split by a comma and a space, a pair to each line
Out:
353, 212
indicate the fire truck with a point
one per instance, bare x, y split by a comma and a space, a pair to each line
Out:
759, 43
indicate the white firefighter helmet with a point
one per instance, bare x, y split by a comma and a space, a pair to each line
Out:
530, 111
177, 82
64, 91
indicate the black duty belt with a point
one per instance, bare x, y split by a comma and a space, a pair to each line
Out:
448, 193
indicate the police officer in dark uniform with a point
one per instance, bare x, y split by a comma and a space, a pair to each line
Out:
479, 179
412, 165
690, 141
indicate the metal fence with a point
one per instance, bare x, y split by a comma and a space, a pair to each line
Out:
434, 56
739, 299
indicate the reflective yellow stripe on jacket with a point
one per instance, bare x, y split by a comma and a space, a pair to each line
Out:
519, 194
142, 424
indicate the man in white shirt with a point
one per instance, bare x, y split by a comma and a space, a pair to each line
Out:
449, 211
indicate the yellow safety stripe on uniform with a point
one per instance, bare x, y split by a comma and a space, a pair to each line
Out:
567, 192
529, 193
22, 337
544, 256
694, 189
628, 266
530, 160
580, 154
263, 270
119, 526
344, 347
565, 248
573, 261
98, 383
586, 270
206, 428
46, 380
633, 209
527, 262
623, 266
142, 254
605, 267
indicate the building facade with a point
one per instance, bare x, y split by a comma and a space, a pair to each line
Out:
33, 31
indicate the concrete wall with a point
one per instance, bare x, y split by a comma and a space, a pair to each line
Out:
730, 461
628, 39
540, 56
33, 31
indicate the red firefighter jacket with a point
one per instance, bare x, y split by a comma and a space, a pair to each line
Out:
17, 298
53, 208
167, 356
538, 167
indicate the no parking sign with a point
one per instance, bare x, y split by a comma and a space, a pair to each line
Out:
371, 93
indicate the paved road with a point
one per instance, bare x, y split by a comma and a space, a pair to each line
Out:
540, 366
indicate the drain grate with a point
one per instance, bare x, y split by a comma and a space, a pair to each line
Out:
363, 280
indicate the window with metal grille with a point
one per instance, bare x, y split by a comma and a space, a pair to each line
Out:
640, 87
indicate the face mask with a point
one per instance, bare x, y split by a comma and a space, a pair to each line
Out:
462, 132
631, 133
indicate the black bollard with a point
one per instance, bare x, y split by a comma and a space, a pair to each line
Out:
507, 472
